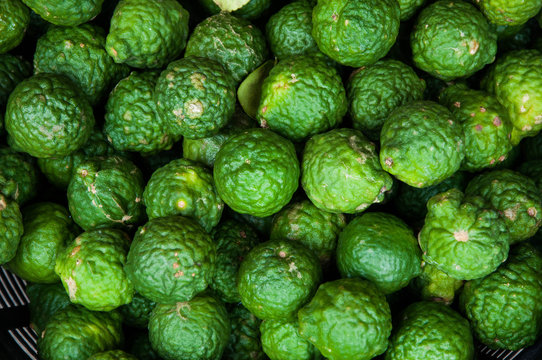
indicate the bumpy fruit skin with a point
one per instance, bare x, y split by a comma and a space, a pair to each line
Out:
281, 341
341, 172
515, 12
46, 116
485, 123
277, 277
295, 103
13, 69
515, 196
233, 241
289, 30
411, 202
11, 228
66, 12
79, 54
132, 122
381, 248
137, 312
305, 223
195, 97
91, 269
421, 144
48, 228
183, 187
452, 39
256, 172
59, 170
171, 259
355, 33
374, 91
75, 333
204, 150
430, 330
347, 319
463, 236
45, 301
18, 176
504, 308
112, 355
194, 330
409, 7
147, 34
244, 343
250, 11
235, 43
515, 81
14, 19
106, 191
436, 285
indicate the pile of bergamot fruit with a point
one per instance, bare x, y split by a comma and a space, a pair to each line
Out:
292, 180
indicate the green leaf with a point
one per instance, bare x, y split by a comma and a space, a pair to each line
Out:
231, 5
250, 90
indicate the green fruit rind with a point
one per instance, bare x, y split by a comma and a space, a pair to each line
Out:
374, 91
277, 277
66, 12
48, 228
463, 236
347, 319
485, 124
45, 301
381, 248
233, 241
204, 150
452, 39
509, 13
137, 312
289, 30
314, 228
515, 82
249, 91
430, 330
421, 144
411, 202
281, 341
511, 292
19, 179
11, 228
146, 34
235, 43
106, 191
112, 355
436, 285
79, 54
14, 20
198, 329
183, 187
409, 7
355, 33
244, 343
171, 259
13, 70
75, 333
295, 103
132, 122
341, 172
46, 107
195, 97
91, 268
256, 172
515, 196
